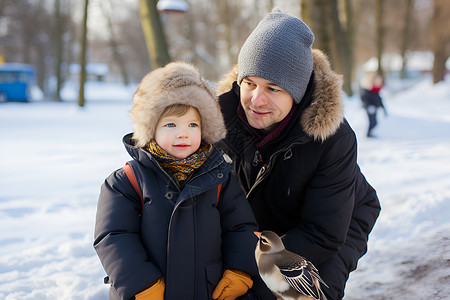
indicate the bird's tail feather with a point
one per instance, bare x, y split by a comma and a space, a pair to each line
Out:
322, 295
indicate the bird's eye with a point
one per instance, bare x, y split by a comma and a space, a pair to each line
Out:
264, 241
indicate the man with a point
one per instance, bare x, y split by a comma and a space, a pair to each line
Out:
294, 153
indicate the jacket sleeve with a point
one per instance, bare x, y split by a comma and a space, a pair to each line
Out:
365, 213
328, 202
238, 227
117, 241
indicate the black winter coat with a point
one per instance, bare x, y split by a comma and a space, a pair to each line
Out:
181, 235
306, 185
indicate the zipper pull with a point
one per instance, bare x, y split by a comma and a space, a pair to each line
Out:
257, 158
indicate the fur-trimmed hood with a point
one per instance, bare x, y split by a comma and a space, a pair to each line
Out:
325, 114
177, 82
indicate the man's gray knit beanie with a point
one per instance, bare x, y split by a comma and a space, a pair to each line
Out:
279, 50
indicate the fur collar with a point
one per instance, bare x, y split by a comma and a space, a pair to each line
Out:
323, 117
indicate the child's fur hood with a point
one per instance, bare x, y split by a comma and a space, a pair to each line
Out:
177, 82
322, 118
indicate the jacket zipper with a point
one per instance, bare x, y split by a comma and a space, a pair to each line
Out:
262, 172
176, 207
257, 158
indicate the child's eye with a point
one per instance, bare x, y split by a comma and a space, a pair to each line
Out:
170, 125
193, 125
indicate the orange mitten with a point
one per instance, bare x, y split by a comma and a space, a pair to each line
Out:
156, 291
234, 283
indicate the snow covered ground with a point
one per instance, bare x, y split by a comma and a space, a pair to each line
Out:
55, 156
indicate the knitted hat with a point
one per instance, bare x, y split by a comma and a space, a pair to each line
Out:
176, 83
279, 50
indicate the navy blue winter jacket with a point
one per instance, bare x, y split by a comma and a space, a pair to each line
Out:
181, 235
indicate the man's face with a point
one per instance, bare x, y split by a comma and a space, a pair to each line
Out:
265, 103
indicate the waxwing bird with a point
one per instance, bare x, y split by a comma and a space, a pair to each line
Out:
286, 274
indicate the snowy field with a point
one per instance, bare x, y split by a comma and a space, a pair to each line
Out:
55, 156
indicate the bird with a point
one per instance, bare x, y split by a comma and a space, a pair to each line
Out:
286, 274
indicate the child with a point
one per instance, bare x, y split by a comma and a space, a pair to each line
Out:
371, 99
190, 239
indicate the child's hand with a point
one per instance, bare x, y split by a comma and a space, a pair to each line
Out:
156, 291
232, 285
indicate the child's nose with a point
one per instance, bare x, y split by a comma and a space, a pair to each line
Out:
182, 134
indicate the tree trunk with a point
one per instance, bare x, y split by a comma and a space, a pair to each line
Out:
343, 39
59, 29
225, 20
439, 64
154, 34
321, 27
306, 11
405, 37
270, 5
81, 99
351, 45
379, 34
440, 38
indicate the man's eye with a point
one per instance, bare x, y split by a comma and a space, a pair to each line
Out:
274, 89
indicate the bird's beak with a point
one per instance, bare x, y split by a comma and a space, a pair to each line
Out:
258, 234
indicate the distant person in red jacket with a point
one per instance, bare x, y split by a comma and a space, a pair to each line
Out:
370, 97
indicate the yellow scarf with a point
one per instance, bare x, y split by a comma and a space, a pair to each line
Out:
180, 169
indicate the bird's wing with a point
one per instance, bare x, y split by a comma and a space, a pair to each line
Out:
301, 276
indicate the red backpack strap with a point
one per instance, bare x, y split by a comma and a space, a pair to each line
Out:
132, 178
219, 187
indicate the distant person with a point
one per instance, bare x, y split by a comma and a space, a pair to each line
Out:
193, 236
371, 99
294, 153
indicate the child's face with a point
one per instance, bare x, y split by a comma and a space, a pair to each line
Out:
180, 136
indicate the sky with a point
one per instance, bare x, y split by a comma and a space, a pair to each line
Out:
55, 156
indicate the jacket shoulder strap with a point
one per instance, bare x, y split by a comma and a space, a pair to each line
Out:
219, 187
132, 178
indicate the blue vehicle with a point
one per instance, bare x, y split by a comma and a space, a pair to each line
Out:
15, 81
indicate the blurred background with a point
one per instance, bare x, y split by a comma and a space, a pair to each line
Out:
67, 41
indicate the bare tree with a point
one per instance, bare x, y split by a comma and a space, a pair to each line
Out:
405, 37
332, 25
440, 25
343, 41
322, 27
306, 11
59, 30
82, 81
226, 22
154, 34
379, 34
